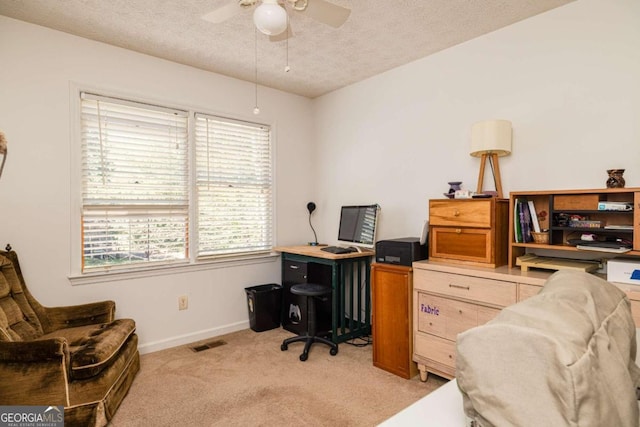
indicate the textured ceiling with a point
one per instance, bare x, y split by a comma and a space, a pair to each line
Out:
378, 35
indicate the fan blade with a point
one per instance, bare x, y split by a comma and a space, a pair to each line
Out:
327, 13
221, 14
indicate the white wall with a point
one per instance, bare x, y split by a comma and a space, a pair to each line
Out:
569, 80
38, 68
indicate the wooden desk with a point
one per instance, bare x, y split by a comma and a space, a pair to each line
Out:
350, 283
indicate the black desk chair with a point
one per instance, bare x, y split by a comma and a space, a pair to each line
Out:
311, 291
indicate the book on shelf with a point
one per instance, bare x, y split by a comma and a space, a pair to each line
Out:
517, 231
615, 206
534, 217
618, 250
618, 227
525, 221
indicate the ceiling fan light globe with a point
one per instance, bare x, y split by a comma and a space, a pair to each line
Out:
270, 18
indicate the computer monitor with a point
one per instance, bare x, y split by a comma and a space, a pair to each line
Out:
358, 225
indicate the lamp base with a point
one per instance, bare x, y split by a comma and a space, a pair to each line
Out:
493, 159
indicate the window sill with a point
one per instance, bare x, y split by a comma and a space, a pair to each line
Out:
210, 264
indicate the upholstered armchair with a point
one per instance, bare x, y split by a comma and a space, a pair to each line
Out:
79, 357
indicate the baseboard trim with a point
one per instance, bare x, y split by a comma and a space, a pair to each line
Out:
192, 337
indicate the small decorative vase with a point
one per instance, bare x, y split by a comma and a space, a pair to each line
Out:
615, 178
453, 187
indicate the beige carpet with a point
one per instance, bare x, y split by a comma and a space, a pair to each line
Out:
249, 381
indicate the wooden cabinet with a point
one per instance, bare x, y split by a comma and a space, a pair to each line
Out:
392, 319
449, 299
560, 205
469, 231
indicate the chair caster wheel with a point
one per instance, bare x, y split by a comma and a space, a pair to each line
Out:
333, 351
284, 347
303, 357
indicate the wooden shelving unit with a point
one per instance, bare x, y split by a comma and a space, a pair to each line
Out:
585, 204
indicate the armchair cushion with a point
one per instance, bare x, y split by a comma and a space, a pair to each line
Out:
93, 347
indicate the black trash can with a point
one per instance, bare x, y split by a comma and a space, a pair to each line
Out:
264, 303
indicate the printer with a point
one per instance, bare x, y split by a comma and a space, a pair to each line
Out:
402, 251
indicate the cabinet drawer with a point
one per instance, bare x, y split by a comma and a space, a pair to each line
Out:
479, 289
431, 314
436, 349
464, 213
444, 317
464, 244
568, 202
447, 318
460, 317
294, 272
527, 291
486, 313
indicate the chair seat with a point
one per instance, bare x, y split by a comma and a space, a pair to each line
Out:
94, 347
310, 289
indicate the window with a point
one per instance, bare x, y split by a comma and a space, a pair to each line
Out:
233, 183
137, 205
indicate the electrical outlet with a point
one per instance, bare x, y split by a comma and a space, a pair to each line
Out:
183, 302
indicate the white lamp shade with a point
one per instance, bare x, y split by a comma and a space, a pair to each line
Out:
491, 136
270, 18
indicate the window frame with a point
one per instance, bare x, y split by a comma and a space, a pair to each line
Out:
193, 261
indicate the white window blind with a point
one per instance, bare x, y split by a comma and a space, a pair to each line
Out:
234, 186
135, 198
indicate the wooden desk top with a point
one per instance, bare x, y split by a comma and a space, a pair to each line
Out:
315, 251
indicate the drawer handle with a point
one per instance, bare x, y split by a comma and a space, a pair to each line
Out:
294, 267
458, 230
466, 288
456, 212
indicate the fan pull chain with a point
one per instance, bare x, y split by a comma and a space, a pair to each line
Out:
287, 68
256, 109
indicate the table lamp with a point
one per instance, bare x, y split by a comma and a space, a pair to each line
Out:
489, 140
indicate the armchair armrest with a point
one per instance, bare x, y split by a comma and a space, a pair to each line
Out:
34, 372
33, 351
80, 315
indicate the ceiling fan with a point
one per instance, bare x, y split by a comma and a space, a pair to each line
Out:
271, 16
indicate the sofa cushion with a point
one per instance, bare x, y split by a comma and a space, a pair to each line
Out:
93, 347
18, 321
565, 357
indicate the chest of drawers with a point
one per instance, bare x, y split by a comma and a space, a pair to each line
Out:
469, 231
449, 299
